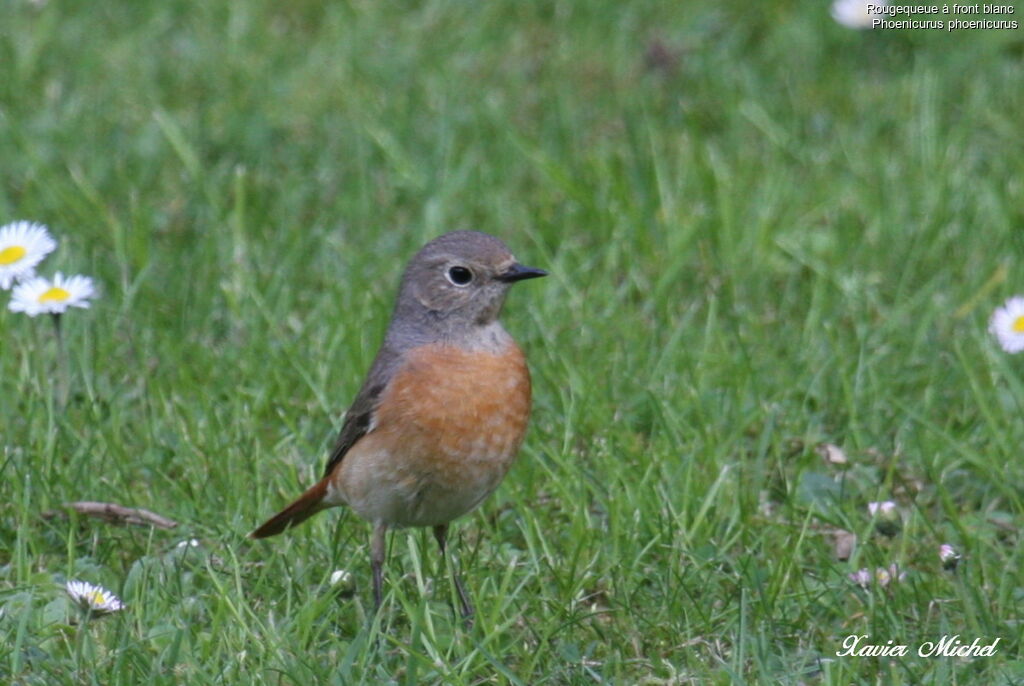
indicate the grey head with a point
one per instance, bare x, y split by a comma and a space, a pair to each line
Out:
453, 288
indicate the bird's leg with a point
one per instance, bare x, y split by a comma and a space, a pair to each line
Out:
377, 548
441, 534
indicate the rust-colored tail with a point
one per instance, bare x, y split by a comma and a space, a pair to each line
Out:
304, 507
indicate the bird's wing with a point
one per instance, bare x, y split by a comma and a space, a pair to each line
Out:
359, 418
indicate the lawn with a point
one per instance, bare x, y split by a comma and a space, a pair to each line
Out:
774, 247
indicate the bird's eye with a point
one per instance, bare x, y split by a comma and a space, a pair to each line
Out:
460, 276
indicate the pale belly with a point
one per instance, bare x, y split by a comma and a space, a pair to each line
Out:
382, 487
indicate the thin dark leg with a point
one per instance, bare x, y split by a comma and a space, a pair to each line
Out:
377, 548
441, 534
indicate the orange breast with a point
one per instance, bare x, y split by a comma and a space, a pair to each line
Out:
454, 405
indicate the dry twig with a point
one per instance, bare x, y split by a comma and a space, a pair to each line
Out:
116, 514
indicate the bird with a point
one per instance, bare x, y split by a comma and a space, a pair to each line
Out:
443, 410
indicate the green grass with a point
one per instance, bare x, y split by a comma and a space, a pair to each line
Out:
788, 234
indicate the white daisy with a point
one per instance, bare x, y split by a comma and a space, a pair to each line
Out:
1007, 325
22, 246
40, 295
95, 599
853, 14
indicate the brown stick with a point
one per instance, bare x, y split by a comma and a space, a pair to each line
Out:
117, 514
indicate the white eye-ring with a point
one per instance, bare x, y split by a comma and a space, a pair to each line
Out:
459, 275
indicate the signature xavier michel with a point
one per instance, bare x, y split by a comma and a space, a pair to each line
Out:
860, 645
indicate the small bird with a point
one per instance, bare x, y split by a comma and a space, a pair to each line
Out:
443, 410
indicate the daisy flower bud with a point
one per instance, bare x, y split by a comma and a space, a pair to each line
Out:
949, 556
887, 517
340, 576
862, 577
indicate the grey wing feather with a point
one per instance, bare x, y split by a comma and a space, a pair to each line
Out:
359, 417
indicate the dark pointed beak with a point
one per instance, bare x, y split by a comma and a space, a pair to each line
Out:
518, 272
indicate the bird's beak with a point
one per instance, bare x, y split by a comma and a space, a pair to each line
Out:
518, 272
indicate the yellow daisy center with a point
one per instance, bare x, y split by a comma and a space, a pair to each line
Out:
1018, 324
12, 254
96, 597
55, 294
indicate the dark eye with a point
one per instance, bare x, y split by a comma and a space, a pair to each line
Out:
460, 276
